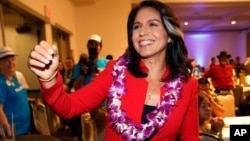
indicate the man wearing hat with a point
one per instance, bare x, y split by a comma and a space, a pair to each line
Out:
95, 63
222, 73
222, 76
83, 73
14, 105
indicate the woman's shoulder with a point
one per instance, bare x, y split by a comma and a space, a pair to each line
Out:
190, 86
192, 81
110, 63
109, 66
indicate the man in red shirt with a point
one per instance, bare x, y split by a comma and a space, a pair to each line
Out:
222, 80
213, 62
221, 74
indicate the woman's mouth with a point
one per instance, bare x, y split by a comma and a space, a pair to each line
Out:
145, 42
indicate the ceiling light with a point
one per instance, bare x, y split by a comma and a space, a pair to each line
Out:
185, 23
233, 22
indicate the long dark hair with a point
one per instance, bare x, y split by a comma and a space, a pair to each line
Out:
176, 53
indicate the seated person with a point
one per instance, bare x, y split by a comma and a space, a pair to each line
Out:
208, 124
204, 87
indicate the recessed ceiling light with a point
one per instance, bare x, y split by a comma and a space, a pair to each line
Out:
185, 23
233, 22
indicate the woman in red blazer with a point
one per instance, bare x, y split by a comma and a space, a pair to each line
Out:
150, 93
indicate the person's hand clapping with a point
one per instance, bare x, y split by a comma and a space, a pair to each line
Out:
43, 61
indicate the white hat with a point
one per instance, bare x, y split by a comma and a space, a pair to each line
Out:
95, 37
6, 51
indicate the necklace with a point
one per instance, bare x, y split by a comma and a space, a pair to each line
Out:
156, 119
9, 83
152, 97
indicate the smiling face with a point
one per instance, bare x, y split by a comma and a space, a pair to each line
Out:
149, 35
8, 65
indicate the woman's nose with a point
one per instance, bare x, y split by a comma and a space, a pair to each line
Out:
144, 31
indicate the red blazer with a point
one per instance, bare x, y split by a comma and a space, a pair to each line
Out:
183, 119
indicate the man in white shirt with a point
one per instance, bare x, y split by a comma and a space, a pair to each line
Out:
21, 79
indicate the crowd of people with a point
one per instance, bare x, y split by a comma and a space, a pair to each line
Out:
89, 125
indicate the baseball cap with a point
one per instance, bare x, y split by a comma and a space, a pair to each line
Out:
95, 37
6, 51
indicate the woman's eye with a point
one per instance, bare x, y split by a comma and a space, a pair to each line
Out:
136, 27
152, 24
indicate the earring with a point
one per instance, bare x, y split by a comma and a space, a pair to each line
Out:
169, 40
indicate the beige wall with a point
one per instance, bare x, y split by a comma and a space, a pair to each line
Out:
1, 28
85, 20
111, 25
88, 20
62, 13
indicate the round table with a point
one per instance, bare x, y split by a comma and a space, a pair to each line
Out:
36, 137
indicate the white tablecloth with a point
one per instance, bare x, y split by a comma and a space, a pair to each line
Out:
240, 120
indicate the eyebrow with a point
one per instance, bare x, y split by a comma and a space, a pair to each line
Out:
151, 20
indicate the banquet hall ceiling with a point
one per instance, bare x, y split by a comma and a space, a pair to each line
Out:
213, 16
206, 16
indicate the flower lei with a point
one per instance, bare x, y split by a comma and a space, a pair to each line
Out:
156, 119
